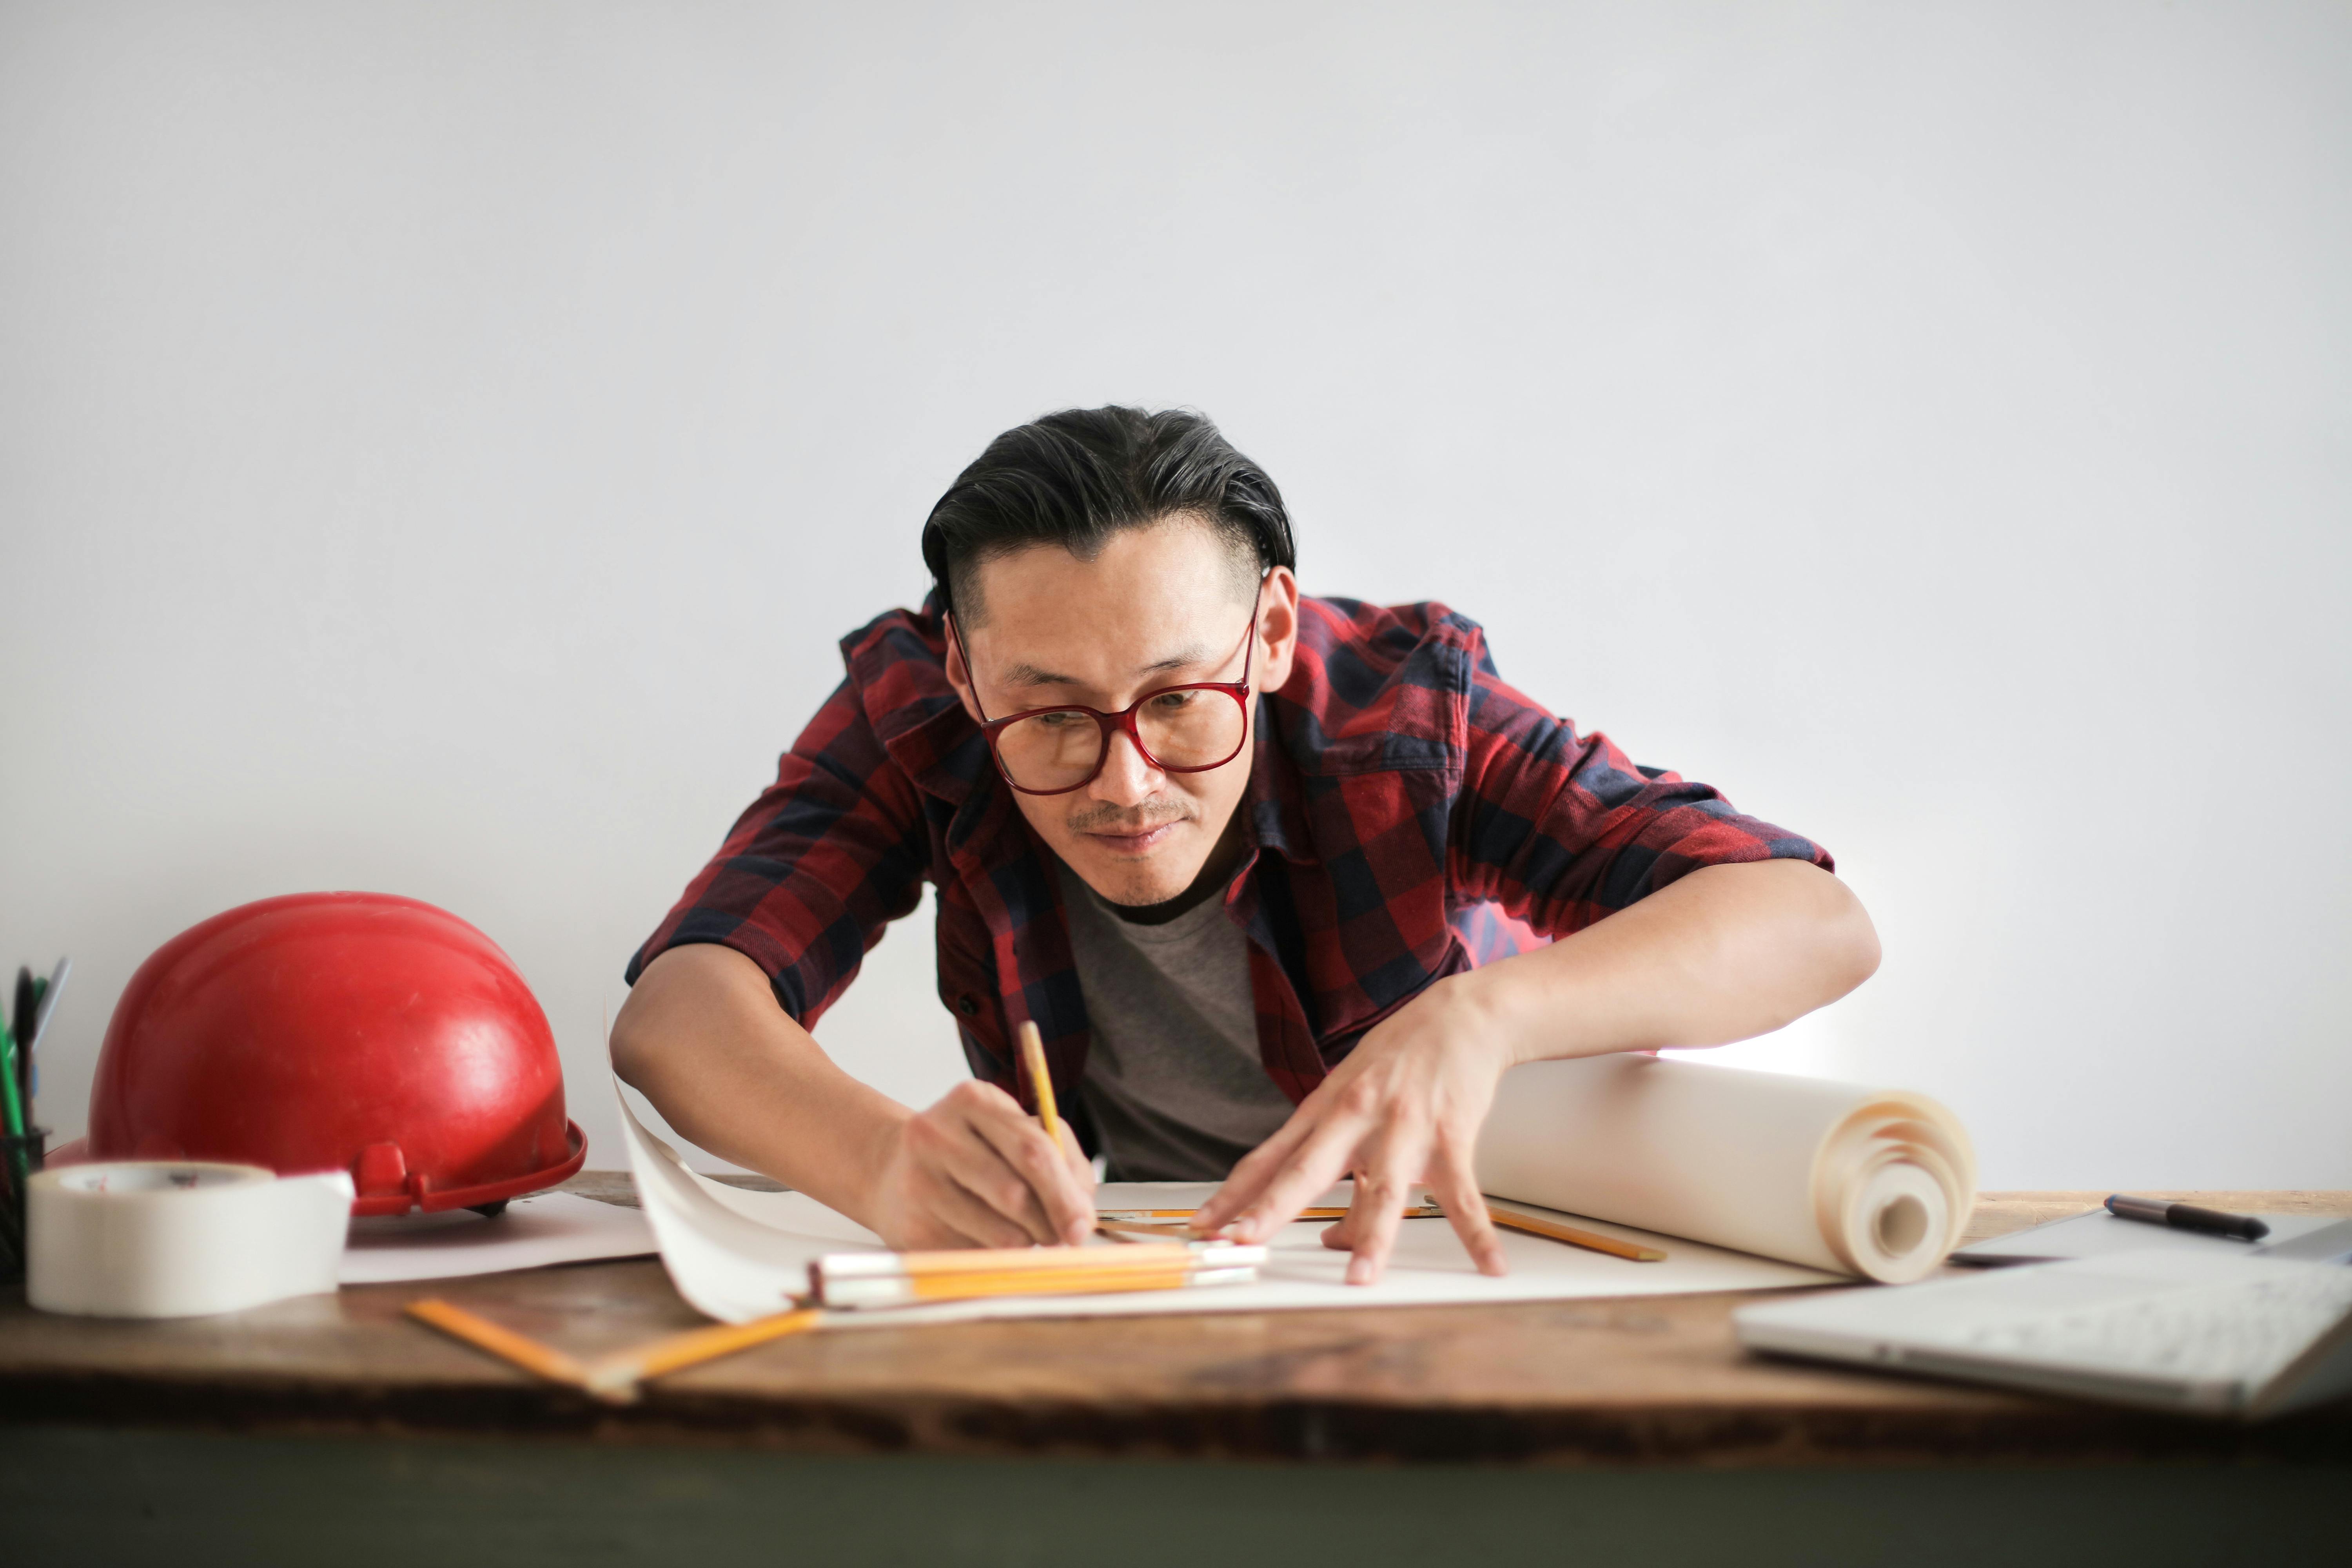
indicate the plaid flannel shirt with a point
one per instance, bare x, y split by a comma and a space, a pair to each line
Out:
1409, 816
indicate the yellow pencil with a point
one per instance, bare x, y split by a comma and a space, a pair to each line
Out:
1510, 1219
1024, 1260
1040, 1082
620, 1373
505, 1343
1145, 1216
870, 1294
1127, 1230
885, 1279
1076, 1282
613, 1378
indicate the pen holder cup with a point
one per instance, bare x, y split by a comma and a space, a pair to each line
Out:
25, 1154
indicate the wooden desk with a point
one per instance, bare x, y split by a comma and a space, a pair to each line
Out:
1591, 1384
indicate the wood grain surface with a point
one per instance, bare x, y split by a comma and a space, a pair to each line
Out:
1637, 1380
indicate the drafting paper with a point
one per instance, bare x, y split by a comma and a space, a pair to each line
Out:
737, 1254
1834, 1175
533, 1232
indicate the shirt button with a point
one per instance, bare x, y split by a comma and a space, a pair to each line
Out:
967, 1005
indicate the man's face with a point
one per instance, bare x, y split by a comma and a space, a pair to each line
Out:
1162, 606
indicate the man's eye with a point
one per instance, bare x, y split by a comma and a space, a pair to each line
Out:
1167, 699
1057, 721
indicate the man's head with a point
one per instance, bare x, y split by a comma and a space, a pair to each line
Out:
1093, 557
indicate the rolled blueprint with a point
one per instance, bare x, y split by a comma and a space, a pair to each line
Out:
168, 1239
1861, 1180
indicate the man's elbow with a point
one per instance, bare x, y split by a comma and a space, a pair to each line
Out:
1848, 942
688, 999
627, 1043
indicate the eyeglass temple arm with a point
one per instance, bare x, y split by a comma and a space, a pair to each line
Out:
963, 655
1249, 650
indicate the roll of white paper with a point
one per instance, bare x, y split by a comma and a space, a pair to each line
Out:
1862, 1181
166, 1238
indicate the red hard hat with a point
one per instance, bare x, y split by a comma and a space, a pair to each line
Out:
355, 1032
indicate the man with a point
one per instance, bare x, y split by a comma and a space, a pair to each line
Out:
1287, 883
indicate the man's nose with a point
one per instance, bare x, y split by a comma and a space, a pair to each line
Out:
1127, 779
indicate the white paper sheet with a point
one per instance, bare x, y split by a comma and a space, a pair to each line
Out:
737, 1255
534, 1232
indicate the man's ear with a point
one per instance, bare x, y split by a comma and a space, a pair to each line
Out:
1277, 629
959, 672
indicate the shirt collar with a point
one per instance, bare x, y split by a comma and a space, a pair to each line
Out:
1274, 801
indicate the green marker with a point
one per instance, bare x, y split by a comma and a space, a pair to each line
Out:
12, 1105
12, 1113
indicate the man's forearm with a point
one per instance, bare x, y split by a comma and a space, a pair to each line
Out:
1721, 954
702, 1038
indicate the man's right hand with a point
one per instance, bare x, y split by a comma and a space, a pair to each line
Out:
702, 1038
975, 1171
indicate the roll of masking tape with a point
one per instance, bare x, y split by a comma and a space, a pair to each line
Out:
167, 1238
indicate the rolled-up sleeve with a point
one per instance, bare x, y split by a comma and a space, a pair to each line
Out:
1562, 829
814, 871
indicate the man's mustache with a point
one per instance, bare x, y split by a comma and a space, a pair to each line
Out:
1120, 819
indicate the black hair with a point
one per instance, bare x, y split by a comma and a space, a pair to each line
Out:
1077, 477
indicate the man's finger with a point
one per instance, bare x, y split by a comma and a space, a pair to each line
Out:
934, 1233
1311, 1169
1384, 1185
958, 1207
1456, 1191
1339, 1235
1065, 1206
974, 1164
1248, 1178
1373, 1221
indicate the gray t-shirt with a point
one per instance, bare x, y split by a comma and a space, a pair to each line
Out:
1173, 1080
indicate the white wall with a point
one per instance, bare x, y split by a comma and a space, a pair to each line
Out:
439, 445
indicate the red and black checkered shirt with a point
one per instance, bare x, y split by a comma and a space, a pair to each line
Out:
1409, 816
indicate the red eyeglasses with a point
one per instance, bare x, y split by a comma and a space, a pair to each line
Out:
1185, 728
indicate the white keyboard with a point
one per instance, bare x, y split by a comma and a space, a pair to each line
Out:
2173, 1331
2243, 1330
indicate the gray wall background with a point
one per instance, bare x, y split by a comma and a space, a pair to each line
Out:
440, 445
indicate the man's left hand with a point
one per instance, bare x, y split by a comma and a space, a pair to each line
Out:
1401, 1112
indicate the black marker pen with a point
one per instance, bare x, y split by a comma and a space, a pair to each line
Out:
2188, 1217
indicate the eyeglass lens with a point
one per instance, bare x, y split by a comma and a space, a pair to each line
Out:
1058, 749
